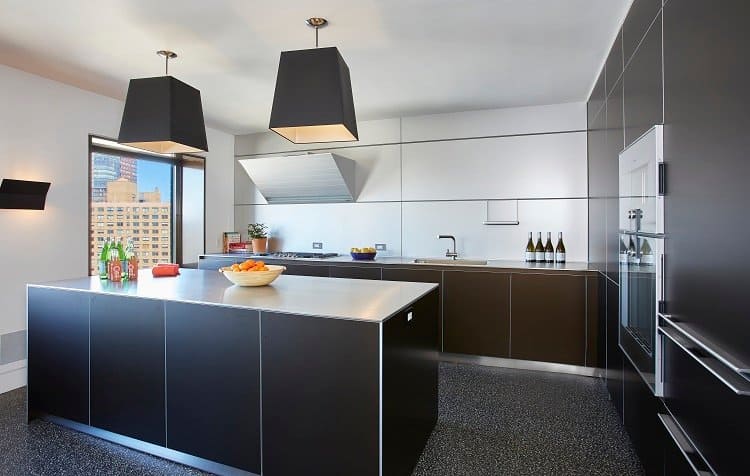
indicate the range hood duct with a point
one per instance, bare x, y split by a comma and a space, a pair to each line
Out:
23, 194
308, 178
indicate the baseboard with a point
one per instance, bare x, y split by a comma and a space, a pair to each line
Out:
521, 364
12, 376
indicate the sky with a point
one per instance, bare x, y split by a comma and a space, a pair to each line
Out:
155, 174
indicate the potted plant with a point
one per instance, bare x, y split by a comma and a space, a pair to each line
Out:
258, 234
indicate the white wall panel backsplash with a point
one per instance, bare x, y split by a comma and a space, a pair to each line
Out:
339, 226
537, 166
496, 122
421, 176
424, 221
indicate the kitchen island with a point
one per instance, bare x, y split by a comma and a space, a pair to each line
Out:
307, 376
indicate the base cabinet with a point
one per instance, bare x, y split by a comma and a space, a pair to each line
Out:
207, 348
58, 339
548, 318
476, 313
127, 367
410, 382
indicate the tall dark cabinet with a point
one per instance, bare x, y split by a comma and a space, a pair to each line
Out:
684, 66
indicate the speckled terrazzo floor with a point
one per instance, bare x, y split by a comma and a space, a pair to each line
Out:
496, 421
492, 422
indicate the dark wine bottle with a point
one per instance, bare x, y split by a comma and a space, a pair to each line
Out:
549, 250
539, 250
530, 253
560, 249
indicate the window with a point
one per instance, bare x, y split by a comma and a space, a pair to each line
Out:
150, 187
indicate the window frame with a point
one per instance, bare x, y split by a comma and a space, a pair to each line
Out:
179, 161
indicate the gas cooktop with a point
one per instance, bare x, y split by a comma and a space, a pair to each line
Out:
301, 254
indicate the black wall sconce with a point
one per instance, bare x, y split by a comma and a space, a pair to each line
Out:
23, 194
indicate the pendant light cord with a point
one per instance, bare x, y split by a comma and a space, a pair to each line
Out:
166, 65
316, 36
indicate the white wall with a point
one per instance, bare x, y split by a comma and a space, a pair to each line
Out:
44, 128
418, 177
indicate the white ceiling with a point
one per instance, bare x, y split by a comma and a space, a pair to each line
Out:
406, 57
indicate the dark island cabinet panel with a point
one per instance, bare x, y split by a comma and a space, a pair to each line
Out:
127, 367
643, 85
306, 270
640, 16
58, 364
356, 272
207, 348
614, 373
410, 384
420, 276
476, 313
334, 367
548, 318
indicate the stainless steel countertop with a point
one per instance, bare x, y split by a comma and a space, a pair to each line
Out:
400, 260
360, 300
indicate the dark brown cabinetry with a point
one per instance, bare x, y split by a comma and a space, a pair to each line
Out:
420, 276
58, 338
614, 354
199, 363
356, 272
548, 318
610, 166
639, 18
643, 85
127, 367
306, 269
476, 313
614, 63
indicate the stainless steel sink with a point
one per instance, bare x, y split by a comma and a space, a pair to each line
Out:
455, 262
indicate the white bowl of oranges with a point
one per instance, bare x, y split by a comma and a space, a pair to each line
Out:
252, 273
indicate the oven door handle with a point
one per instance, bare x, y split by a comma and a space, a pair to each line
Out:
733, 380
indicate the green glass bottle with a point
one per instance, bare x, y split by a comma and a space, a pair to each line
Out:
103, 260
123, 260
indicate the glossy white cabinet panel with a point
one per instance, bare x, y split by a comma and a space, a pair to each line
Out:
538, 166
496, 122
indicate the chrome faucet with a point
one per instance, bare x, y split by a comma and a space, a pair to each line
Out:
448, 253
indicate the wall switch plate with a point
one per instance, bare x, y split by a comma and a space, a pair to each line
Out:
380, 247
317, 245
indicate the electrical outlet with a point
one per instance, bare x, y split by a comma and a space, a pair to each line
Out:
380, 247
317, 245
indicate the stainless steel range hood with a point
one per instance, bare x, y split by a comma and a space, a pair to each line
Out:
308, 178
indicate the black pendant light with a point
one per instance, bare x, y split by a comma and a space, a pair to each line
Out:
313, 98
163, 115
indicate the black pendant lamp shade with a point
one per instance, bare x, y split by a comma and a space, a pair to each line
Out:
163, 115
313, 98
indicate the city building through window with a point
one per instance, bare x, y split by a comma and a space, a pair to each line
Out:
135, 194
